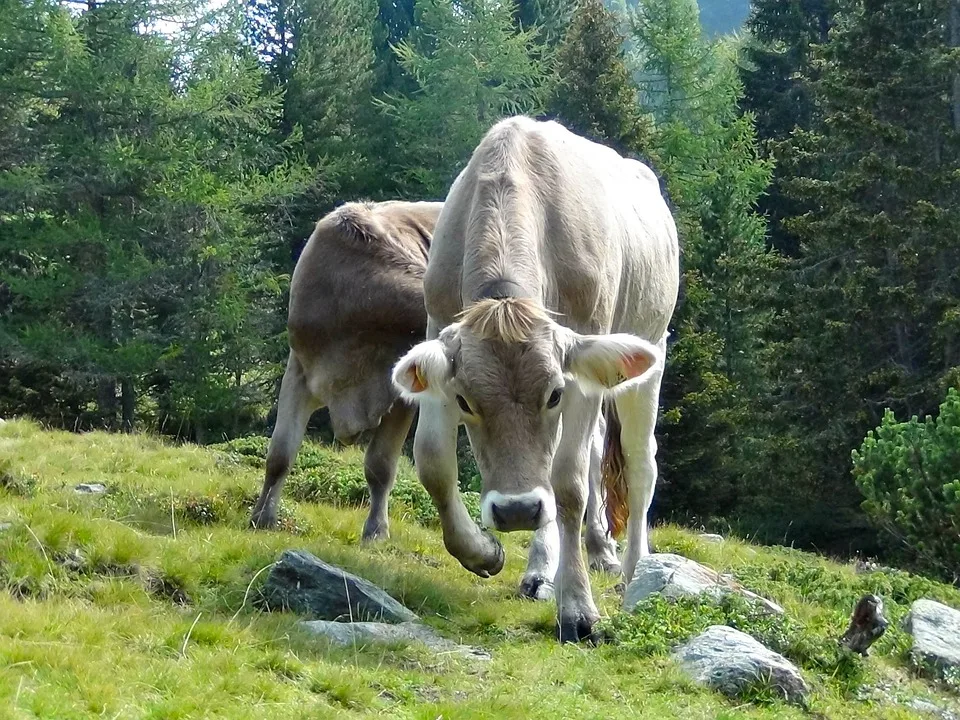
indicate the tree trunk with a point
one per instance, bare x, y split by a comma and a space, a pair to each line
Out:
954, 43
107, 400
128, 402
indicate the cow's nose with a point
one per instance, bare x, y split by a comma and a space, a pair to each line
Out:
511, 514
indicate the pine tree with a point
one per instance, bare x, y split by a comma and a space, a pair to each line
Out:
592, 90
708, 153
874, 321
777, 72
133, 256
472, 67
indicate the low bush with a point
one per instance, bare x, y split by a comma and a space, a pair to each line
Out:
909, 473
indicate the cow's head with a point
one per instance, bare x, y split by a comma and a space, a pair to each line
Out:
506, 365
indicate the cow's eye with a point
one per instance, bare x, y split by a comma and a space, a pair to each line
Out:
464, 405
554, 398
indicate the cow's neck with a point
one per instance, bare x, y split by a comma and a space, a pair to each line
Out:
502, 248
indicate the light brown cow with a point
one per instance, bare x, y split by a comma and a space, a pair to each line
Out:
356, 306
552, 278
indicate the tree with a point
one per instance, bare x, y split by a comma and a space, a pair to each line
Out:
592, 90
777, 70
874, 317
707, 150
908, 474
137, 214
472, 67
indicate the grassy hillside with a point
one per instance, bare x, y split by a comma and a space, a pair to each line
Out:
142, 603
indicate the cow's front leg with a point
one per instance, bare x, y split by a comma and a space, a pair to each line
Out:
435, 455
601, 547
576, 610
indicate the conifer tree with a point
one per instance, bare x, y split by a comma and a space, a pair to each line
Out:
873, 322
707, 151
592, 90
472, 67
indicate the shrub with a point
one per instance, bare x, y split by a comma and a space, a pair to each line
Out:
910, 475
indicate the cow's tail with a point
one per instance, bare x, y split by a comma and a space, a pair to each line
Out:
612, 474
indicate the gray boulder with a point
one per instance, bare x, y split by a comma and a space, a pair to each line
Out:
674, 576
406, 633
305, 584
710, 537
732, 662
90, 488
936, 637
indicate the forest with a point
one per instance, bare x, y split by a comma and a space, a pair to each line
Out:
162, 163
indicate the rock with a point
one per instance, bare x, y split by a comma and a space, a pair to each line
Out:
711, 537
928, 708
4, 526
303, 583
936, 637
733, 662
375, 633
674, 576
90, 489
867, 625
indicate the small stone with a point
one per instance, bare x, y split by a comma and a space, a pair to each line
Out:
674, 576
303, 583
375, 633
867, 625
928, 708
90, 489
936, 637
4, 526
711, 537
732, 662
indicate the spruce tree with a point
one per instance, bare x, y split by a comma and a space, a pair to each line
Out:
707, 150
873, 318
472, 67
133, 256
592, 91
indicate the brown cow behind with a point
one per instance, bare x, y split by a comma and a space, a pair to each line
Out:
356, 305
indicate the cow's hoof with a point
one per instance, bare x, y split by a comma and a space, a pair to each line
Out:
536, 587
606, 565
489, 563
578, 628
373, 531
262, 520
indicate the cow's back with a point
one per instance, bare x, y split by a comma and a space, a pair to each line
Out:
585, 231
356, 305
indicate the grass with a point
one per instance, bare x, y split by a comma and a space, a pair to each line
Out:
141, 603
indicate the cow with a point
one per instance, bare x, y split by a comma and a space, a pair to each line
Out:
356, 306
552, 278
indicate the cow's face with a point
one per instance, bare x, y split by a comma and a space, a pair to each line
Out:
507, 368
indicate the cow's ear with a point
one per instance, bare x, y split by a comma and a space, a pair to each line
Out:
604, 362
426, 368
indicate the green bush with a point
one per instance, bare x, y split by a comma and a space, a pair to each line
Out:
910, 475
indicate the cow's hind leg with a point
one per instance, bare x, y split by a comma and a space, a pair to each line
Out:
601, 547
576, 610
542, 563
637, 408
380, 466
294, 408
